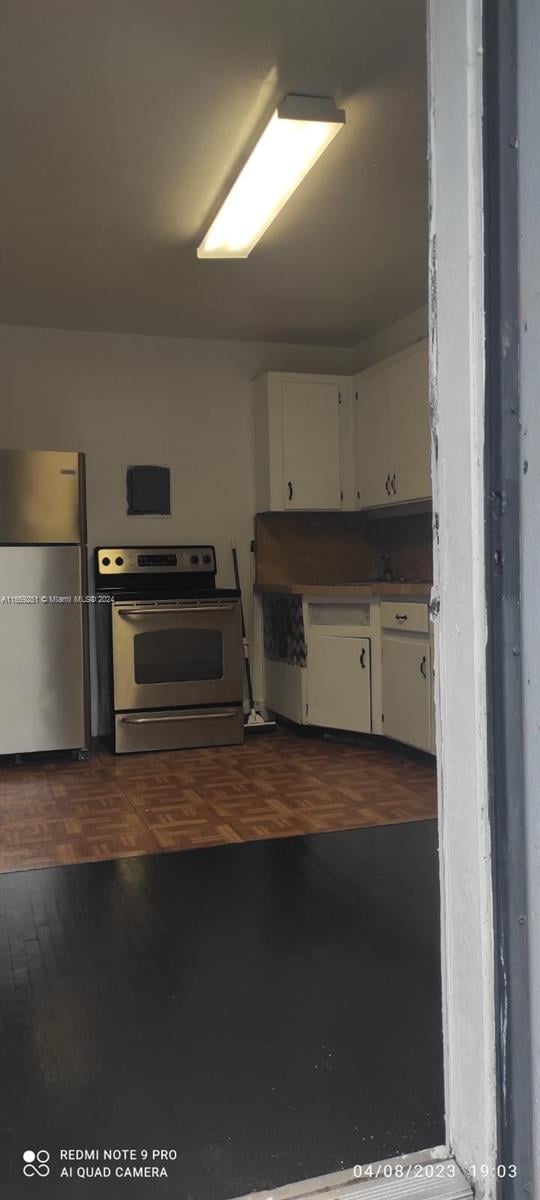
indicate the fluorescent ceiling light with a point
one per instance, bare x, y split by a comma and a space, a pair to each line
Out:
294, 138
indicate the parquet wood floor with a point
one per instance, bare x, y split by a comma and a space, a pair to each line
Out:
275, 785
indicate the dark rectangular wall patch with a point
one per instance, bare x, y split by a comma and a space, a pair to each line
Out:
148, 491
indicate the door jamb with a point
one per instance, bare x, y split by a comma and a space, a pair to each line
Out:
456, 317
503, 467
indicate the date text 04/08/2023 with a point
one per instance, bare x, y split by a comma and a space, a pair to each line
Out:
434, 1171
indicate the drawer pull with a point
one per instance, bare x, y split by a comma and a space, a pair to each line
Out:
404, 617
194, 716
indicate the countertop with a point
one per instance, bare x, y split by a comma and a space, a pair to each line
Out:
362, 590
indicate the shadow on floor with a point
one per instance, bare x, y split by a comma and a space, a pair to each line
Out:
270, 1011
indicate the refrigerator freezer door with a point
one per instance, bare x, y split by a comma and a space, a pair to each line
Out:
43, 657
41, 497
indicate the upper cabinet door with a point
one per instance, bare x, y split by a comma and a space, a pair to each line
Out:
413, 460
376, 436
311, 445
393, 452
298, 438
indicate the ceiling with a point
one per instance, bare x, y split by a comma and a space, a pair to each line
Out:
123, 121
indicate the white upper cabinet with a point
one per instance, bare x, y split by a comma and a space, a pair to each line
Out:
305, 441
298, 442
393, 453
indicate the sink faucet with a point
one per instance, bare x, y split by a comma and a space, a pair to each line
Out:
387, 575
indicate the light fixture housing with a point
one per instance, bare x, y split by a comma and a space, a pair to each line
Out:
296, 135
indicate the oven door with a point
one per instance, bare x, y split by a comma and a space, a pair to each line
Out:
170, 654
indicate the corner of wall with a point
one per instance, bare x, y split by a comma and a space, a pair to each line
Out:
411, 328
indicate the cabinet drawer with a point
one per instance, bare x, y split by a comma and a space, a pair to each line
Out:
411, 618
343, 613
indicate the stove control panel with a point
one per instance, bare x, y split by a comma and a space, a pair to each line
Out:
156, 560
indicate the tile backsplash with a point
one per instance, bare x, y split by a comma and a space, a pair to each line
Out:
335, 548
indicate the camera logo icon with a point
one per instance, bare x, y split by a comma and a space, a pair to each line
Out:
36, 1162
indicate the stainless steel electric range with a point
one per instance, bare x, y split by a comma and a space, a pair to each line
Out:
169, 649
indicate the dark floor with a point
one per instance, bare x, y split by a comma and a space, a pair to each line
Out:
270, 1010
277, 785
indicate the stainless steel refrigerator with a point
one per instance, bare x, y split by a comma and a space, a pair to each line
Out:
44, 702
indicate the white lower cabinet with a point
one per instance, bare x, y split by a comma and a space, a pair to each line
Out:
339, 683
285, 691
369, 669
407, 688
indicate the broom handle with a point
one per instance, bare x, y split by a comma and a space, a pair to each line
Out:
244, 637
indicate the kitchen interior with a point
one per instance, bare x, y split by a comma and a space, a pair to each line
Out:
216, 545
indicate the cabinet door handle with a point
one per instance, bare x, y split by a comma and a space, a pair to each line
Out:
387, 485
290, 487
423, 667
363, 659
393, 484
168, 717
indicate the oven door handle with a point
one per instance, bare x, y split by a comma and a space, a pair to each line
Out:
198, 716
130, 613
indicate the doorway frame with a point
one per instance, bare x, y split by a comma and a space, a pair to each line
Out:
484, 261
459, 611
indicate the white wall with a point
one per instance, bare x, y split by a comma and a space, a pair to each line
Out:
179, 402
122, 399
391, 340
